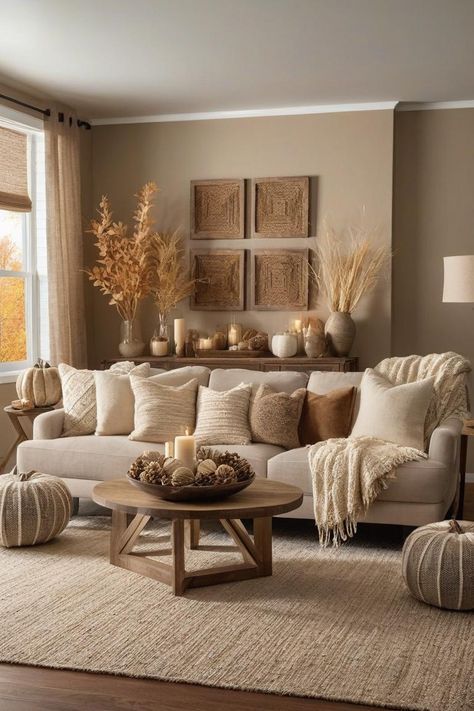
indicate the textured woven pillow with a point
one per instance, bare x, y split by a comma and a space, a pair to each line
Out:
162, 411
327, 416
115, 401
395, 413
274, 417
223, 417
79, 402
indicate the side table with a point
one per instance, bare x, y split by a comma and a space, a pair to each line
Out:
467, 431
21, 436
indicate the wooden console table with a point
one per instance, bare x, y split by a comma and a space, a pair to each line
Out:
298, 363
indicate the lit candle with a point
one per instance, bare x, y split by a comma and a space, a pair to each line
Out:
185, 449
179, 336
234, 334
297, 325
169, 449
205, 344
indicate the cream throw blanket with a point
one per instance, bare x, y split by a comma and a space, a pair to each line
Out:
349, 474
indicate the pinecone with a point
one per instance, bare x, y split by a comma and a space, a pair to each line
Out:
137, 467
153, 456
225, 474
205, 479
152, 474
240, 465
205, 453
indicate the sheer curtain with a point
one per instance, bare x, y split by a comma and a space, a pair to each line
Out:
65, 240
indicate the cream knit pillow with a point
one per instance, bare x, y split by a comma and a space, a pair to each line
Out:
223, 417
162, 411
395, 413
80, 411
115, 400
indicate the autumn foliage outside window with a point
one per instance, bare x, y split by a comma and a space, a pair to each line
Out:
13, 342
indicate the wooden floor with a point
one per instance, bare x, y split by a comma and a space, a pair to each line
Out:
36, 689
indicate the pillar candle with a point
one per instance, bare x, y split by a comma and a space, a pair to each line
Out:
185, 449
234, 334
205, 344
179, 336
169, 449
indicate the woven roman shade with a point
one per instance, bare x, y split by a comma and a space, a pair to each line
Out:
14, 171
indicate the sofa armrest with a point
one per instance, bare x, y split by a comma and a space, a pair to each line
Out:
49, 425
444, 442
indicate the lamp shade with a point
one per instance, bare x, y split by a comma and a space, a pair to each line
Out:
459, 279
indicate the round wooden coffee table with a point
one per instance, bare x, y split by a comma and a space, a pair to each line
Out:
132, 509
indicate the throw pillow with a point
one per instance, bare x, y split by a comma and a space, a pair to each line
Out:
162, 411
223, 417
79, 402
395, 413
115, 400
274, 417
327, 416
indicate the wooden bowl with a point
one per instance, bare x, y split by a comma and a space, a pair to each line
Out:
191, 493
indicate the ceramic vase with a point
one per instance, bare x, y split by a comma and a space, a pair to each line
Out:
285, 345
340, 330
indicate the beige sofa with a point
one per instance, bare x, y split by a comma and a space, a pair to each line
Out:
421, 493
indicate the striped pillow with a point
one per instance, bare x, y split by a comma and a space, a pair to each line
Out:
223, 417
162, 411
79, 402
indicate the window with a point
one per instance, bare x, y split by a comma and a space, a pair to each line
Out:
23, 273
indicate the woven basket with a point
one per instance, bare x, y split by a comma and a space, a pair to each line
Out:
34, 508
438, 564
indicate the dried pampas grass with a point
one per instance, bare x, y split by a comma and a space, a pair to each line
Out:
348, 267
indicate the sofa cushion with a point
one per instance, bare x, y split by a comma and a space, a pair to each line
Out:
321, 382
162, 411
179, 376
102, 458
282, 381
115, 401
85, 457
395, 413
425, 482
274, 417
223, 416
327, 416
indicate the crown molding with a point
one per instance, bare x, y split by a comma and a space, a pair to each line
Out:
250, 113
434, 105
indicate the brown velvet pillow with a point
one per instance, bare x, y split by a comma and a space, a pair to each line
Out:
274, 417
327, 416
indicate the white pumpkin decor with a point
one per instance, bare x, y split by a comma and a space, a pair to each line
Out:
285, 345
438, 564
40, 384
34, 508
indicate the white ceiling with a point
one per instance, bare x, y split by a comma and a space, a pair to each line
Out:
114, 58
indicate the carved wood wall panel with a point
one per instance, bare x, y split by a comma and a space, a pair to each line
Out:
280, 207
217, 209
223, 280
279, 280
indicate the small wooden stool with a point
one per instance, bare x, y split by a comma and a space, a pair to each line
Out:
21, 436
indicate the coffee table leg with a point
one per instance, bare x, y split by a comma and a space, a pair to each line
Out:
177, 542
193, 530
262, 536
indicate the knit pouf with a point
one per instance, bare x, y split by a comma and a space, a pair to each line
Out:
34, 508
438, 564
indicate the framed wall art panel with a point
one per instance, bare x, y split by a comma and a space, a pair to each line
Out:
279, 280
280, 207
222, 279
217, 209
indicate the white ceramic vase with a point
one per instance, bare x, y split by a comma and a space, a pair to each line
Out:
285, 345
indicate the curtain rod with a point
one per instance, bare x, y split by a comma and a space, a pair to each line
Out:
46, 112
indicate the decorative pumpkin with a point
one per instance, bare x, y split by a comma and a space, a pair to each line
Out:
438, 564
34, 508
285, 345
40, 384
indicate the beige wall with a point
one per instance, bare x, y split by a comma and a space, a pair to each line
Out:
433, 218
348, 155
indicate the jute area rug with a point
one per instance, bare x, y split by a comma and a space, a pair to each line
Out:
329, 624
